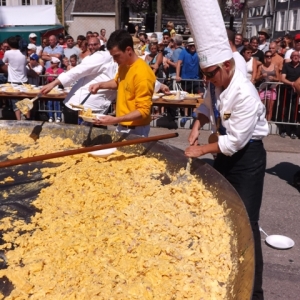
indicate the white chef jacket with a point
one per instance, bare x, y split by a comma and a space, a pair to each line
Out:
240, 62
240, 100
98, 67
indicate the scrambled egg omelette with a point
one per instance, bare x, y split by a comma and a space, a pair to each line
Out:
108, 230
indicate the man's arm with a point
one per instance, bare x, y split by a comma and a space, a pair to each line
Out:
48, 87
285, 81
199, 123
178, 68
111, 85
47, 56
110, 120
297, 86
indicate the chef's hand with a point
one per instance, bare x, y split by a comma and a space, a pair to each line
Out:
194, 151
48, 87
165, 89
106, 120
93, 88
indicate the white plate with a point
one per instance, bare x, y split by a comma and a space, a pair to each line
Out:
104, 152
192, 97
183, 93
159, 94
91, 119
280, 241
167, 98
154, 97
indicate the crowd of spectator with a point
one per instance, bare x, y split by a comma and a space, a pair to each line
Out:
24, 61
173, 60
270, 63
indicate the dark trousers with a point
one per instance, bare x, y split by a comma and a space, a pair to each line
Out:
70, 115
245, 170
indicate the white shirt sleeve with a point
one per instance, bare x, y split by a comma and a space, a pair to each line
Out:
5, 59
90, 65
157, 86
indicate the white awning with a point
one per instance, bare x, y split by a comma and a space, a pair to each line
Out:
28, 15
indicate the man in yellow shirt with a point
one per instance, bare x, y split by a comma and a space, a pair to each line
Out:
135, 83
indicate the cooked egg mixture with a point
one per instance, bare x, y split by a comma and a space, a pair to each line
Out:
109, 230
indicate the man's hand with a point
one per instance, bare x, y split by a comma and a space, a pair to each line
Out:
48, 87
106, 120
93, 88
165, 89
178, 78
194, 151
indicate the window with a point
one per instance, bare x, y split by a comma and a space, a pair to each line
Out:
251, 12
280, 26
25, 2
2, 2
268, 22
294, 20
48, 2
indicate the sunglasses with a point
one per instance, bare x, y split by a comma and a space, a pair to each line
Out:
268, 56
95, 44
211, 74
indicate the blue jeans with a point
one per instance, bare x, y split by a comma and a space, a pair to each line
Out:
54, 105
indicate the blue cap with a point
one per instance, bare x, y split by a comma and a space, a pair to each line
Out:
34, 56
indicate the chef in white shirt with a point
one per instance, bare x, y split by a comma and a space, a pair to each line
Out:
241, 157
95, 68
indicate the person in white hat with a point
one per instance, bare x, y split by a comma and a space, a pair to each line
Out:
241, 156
31, 49
32, 40
54, 70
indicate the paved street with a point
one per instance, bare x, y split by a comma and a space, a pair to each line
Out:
279, 214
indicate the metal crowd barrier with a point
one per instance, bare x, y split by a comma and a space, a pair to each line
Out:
182, 117
282, 104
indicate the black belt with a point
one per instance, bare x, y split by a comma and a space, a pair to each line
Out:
127, 127
19, 83
253, 141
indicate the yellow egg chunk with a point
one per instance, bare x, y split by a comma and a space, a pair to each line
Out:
106, 229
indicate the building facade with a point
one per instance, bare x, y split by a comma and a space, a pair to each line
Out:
260, 15
93, 15
26, 2
286, 18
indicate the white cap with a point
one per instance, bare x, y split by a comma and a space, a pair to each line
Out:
206, 23
55, 60
31, 46
32, 35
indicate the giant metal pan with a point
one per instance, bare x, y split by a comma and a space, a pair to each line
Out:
26, 189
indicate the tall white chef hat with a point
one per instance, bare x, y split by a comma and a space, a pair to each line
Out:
206, 23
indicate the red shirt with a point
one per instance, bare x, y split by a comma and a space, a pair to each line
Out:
51, 71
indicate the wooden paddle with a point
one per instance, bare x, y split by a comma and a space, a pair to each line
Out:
21, 161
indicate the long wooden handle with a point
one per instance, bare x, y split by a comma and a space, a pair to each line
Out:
21, 161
